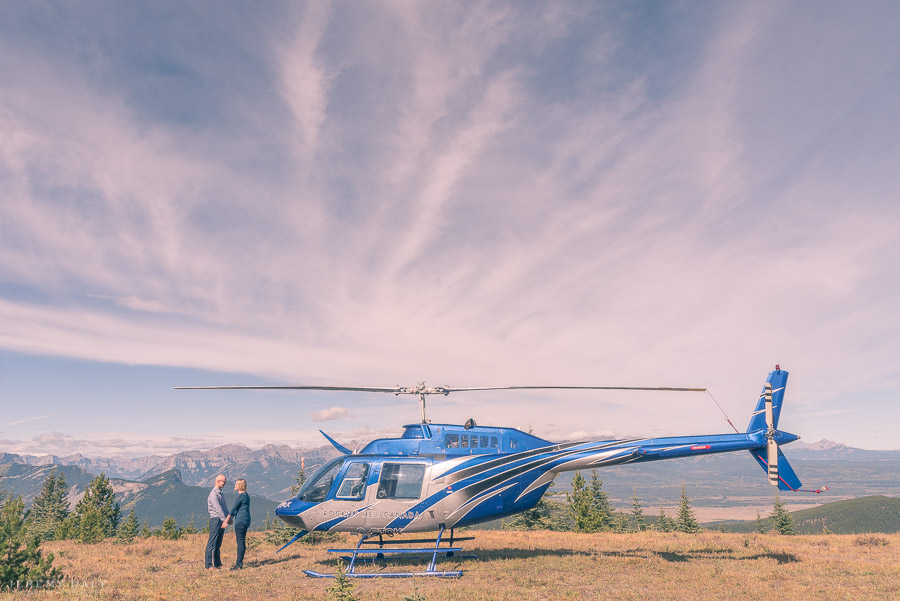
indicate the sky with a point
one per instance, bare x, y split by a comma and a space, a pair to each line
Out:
465, 194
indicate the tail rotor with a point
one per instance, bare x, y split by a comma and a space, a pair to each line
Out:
771, 445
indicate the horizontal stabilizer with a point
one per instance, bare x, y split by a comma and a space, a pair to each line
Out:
787, 479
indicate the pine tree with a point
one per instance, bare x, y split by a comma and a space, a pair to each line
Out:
343, 588
664, 523
170, 529
686, 521
191, 527
760, 526
637, 512
97, 511
21, 559
589, 505
580, 505
128, 529
68, 528
49, 508
602, 507
146, 532
536, 518
91, 525
784, 522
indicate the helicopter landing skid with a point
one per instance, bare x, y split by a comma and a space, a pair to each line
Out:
380, 552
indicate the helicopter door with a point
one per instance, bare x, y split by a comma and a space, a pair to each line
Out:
353, 485
342, 508
399, 489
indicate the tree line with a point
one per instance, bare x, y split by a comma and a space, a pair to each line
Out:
588, 509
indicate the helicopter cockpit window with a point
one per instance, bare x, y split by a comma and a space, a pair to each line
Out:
451, 441
464, 441
474, 443
413, 432
317, 487
401, 481
353, 486
494, 442
484, 442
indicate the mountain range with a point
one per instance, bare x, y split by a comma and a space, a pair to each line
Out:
270, 471
177, 485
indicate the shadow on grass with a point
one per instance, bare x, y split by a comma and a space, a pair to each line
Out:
686, 556
272, 561
459, 560
454, 562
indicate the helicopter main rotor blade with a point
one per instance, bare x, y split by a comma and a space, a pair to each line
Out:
658, 388
422, 391
395, 390
445, 390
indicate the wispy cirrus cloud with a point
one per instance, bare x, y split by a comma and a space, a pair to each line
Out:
25, 420
477, 195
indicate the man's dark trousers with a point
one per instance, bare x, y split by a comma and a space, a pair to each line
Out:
216, 532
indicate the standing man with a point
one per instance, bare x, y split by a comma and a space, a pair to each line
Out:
218, 520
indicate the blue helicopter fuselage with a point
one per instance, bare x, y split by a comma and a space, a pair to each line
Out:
446, 476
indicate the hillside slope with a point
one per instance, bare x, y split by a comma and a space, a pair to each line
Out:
853, 516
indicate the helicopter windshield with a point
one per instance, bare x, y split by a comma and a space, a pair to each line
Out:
316, 488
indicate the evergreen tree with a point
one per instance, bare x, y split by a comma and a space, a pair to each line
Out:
68, 528
637, 512
686, 521
91, 525
98, 511
299, 480
760, 526
170, 529
344, 587
580, 505
536, 518
191, 527
128, 529
784, 522
589, 505
146, 532
49, 508
602, 507
664, 523
21, 559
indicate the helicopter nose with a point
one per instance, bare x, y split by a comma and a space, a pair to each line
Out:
290, 511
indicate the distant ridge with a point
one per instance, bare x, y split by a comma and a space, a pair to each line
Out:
153, 499
269, 471
875, 514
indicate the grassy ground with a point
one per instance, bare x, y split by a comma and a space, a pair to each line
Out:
510, 565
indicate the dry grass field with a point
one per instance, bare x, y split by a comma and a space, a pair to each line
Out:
510, 565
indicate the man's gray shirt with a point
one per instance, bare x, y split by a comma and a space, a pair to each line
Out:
215, 503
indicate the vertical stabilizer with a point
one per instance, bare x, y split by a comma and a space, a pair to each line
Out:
778, 380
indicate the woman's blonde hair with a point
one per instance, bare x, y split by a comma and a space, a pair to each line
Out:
241, 484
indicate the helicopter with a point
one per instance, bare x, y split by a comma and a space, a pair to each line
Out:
439, 477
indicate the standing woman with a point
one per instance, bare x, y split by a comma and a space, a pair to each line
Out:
240, 514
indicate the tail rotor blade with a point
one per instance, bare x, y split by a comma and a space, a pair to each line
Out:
772, 448
771, 445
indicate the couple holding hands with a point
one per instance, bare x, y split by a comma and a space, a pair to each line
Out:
220, 518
